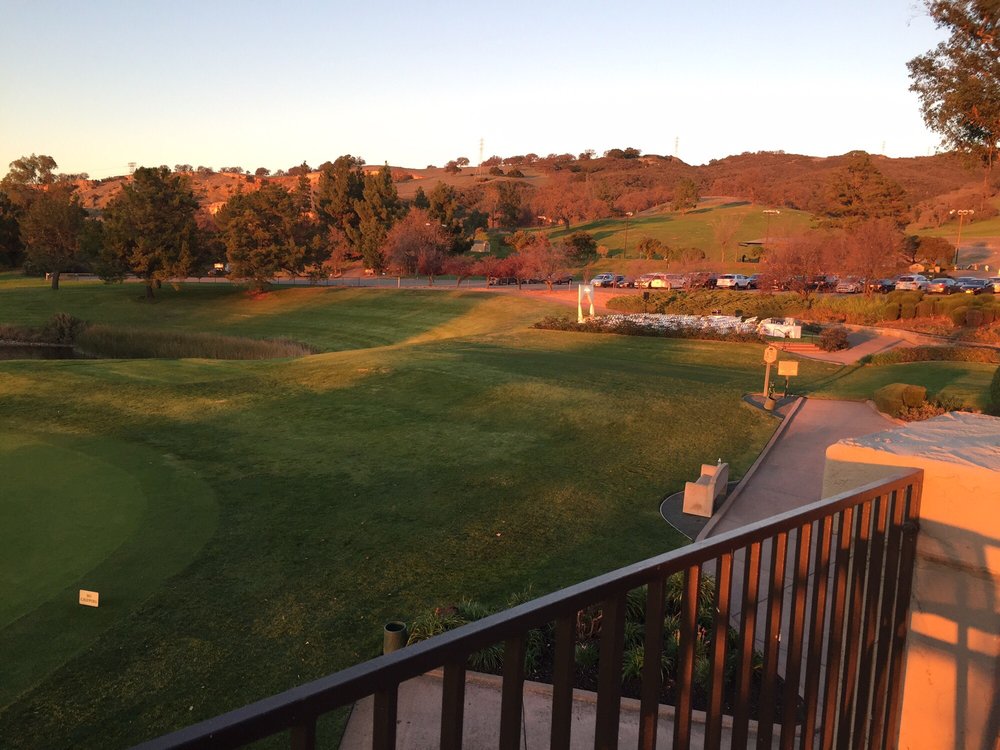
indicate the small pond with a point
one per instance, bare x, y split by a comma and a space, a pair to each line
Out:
37, 351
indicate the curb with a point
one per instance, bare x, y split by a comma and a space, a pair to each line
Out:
734, 495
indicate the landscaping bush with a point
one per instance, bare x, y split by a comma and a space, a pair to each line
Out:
907, 311
934, 354
833, 339
931, 408
958, 315
994, 407
973, 317
924, 308
892, 399
62, 328
540, 655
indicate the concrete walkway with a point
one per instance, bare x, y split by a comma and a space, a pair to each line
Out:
790, 475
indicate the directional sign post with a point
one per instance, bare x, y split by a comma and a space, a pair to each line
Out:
789, 368
770, 357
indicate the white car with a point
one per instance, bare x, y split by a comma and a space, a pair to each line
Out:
603, 279
732, 281
912, 283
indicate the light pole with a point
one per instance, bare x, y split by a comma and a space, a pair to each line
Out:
962, 213
768, 212
628, 215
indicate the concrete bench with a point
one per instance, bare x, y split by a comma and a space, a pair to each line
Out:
700, 495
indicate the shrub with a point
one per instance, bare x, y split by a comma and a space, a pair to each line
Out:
62, 328
892, 399
924, 308
973, 317
907, 311
958, 315
994, 407
931, 408
935, 354
833, 339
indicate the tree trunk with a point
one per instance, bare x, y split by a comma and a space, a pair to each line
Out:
54, 276
149, 289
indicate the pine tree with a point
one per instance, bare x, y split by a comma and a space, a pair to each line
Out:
859, 191
341, 185
378, 209
150, 227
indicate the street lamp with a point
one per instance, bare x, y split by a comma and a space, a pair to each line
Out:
628, 215
768, 212
962, 213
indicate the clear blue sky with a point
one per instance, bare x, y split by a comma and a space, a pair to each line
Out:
100, 84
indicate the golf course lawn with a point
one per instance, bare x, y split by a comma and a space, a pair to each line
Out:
252, 524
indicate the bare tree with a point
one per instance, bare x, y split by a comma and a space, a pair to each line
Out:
870, 250
417, 244
725, 226
797, 263
543, 260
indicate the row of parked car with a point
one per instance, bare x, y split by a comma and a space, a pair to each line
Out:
948, 285
695, 280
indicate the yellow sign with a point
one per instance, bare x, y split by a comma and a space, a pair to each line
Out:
788, 368
771, 355
89, 598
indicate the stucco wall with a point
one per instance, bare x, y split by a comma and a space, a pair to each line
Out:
951, 694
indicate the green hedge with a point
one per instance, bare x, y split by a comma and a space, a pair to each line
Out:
935, 354
994, 407
894, 398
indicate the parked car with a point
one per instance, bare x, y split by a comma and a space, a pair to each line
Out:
882, 286
942, 285
676, 280
603, 279
911, 283
733, 281
659, 281
848, 286
702, 279
642, 282
501, 280
563, 280
626, 282
821, 283
994, 284
754, 281
969, 285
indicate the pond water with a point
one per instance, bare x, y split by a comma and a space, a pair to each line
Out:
30, 351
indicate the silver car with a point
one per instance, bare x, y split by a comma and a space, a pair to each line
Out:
911, 283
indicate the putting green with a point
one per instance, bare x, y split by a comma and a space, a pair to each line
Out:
87, 513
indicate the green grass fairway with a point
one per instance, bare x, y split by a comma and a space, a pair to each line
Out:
85, 513
255, 523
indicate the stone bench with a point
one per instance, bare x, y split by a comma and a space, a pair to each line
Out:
700, 495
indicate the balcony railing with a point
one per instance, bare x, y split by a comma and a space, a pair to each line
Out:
820, 595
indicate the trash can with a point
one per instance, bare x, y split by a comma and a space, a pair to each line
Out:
394, 636
769, 403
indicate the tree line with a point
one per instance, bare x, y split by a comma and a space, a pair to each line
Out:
155, 228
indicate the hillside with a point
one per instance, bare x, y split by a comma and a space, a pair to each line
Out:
573, 190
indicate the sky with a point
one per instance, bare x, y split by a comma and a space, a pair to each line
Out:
100, 84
